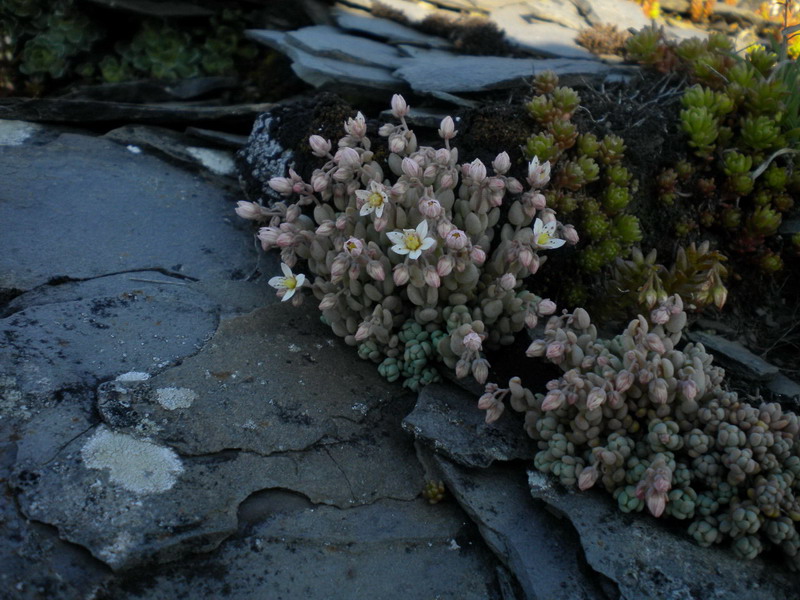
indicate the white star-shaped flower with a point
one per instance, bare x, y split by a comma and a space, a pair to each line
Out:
411, 241
375, 198
288, 284
543, 235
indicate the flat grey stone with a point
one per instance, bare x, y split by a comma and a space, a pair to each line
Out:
320, 71
176, 146
481, 73
389, 550
448, 420
327, 41
78, 333
735, 357
789, 227
116, 211
545, 38
787, 389
648, 560
622, 13
541, 550
560, 12
389, 31
271, 381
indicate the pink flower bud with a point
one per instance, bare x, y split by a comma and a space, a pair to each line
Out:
445, 265
293, 212
430, 207
654, 343
495, 411
429, 173
362, 332
249, 210
447, 129
480, 371
342, 173
486, 401
399, 107
347, 157
397, 143
285, 240
536, 349
588, 478
657, 390
400, 275
477, 170
282, 185
477, 255
353, 246
456, 239
356, 127
553, 400
623, 381
513, 186
508, 281
555, 352
531, 320
338, 268
526, 257
443, 156
497, 186
431, 277
326, 229
472, 341
447, 181
462, 368
320, 181
570, 234
411, 168
319, 146
546, 307
538, 174
596, 398
538, 201
268, 237
341, 222
386, 129
688, 389
328, 302
502, 163
657, 503
375, 270
660, 315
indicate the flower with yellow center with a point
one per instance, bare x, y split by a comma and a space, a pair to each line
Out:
411, 241
543, 235
374, 199
288, 284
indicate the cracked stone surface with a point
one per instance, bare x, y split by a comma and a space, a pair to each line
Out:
446, 418
389, 550
542, 550
116, 211
76, 334
648, 560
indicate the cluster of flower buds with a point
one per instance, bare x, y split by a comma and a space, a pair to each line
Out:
409, 239
651, 421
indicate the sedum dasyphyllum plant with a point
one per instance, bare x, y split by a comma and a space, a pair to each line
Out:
653, 425
404, 256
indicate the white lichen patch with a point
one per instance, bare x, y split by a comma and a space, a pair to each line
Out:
14, 133
133, 376
172, 398
216, 161
294, 348
137, 465
133, 149
118, 550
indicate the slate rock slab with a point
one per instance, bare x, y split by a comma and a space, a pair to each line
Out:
271, 381
734, 356
389, 31
390, 550
447, 419
541, 550
68, 337
116, 211
481, 73
648, 560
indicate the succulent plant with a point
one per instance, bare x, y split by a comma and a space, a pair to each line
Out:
651, 422
589, 184
411, 262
